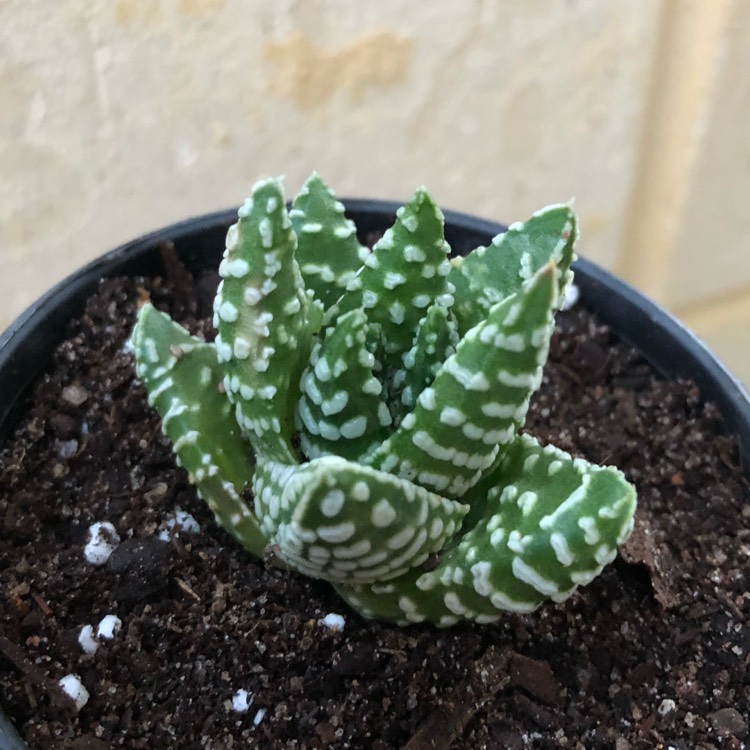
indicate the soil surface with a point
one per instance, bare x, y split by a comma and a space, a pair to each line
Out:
654, 653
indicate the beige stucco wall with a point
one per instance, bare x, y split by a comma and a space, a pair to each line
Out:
118, 116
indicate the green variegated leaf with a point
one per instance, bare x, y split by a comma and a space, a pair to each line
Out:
261, 312
436, 340
489, 274
479, 397
548, 525
341, 410
328, 252
341, 521
403, 276
183, 380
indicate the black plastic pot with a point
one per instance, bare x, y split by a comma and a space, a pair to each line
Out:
26, 346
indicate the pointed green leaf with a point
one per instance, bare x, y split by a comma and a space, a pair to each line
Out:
341, 410
489, 274
328, 252
551, 524
261, 312
436, 340
479, 397
341, 521
183, 380
403, 276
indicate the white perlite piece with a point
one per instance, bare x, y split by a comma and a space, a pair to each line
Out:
241, 701
333, 622
667, 706
73, 687
259, 716
74, 394
181, 521
87, 641
103, 541
66, 448
109, 627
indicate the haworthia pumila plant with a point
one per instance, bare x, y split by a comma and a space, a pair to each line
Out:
373, 401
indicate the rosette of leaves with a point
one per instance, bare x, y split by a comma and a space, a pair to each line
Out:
370, 402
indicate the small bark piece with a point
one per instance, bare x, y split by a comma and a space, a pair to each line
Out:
534, 676
444, 725
642, 549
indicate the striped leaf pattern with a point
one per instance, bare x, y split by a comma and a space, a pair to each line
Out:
479, 397
328, 252
342, 521
184, 382
490, 274
542, 525
261, 314
342, 409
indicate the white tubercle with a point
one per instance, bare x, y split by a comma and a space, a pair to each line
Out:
241, 701
333, 622
87, 641
103, 540
73, 687
109, 627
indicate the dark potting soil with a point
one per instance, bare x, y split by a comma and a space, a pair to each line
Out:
654, 653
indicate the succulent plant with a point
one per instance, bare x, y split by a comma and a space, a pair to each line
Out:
372, 402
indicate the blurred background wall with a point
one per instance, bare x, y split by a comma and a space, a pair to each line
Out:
119, 116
